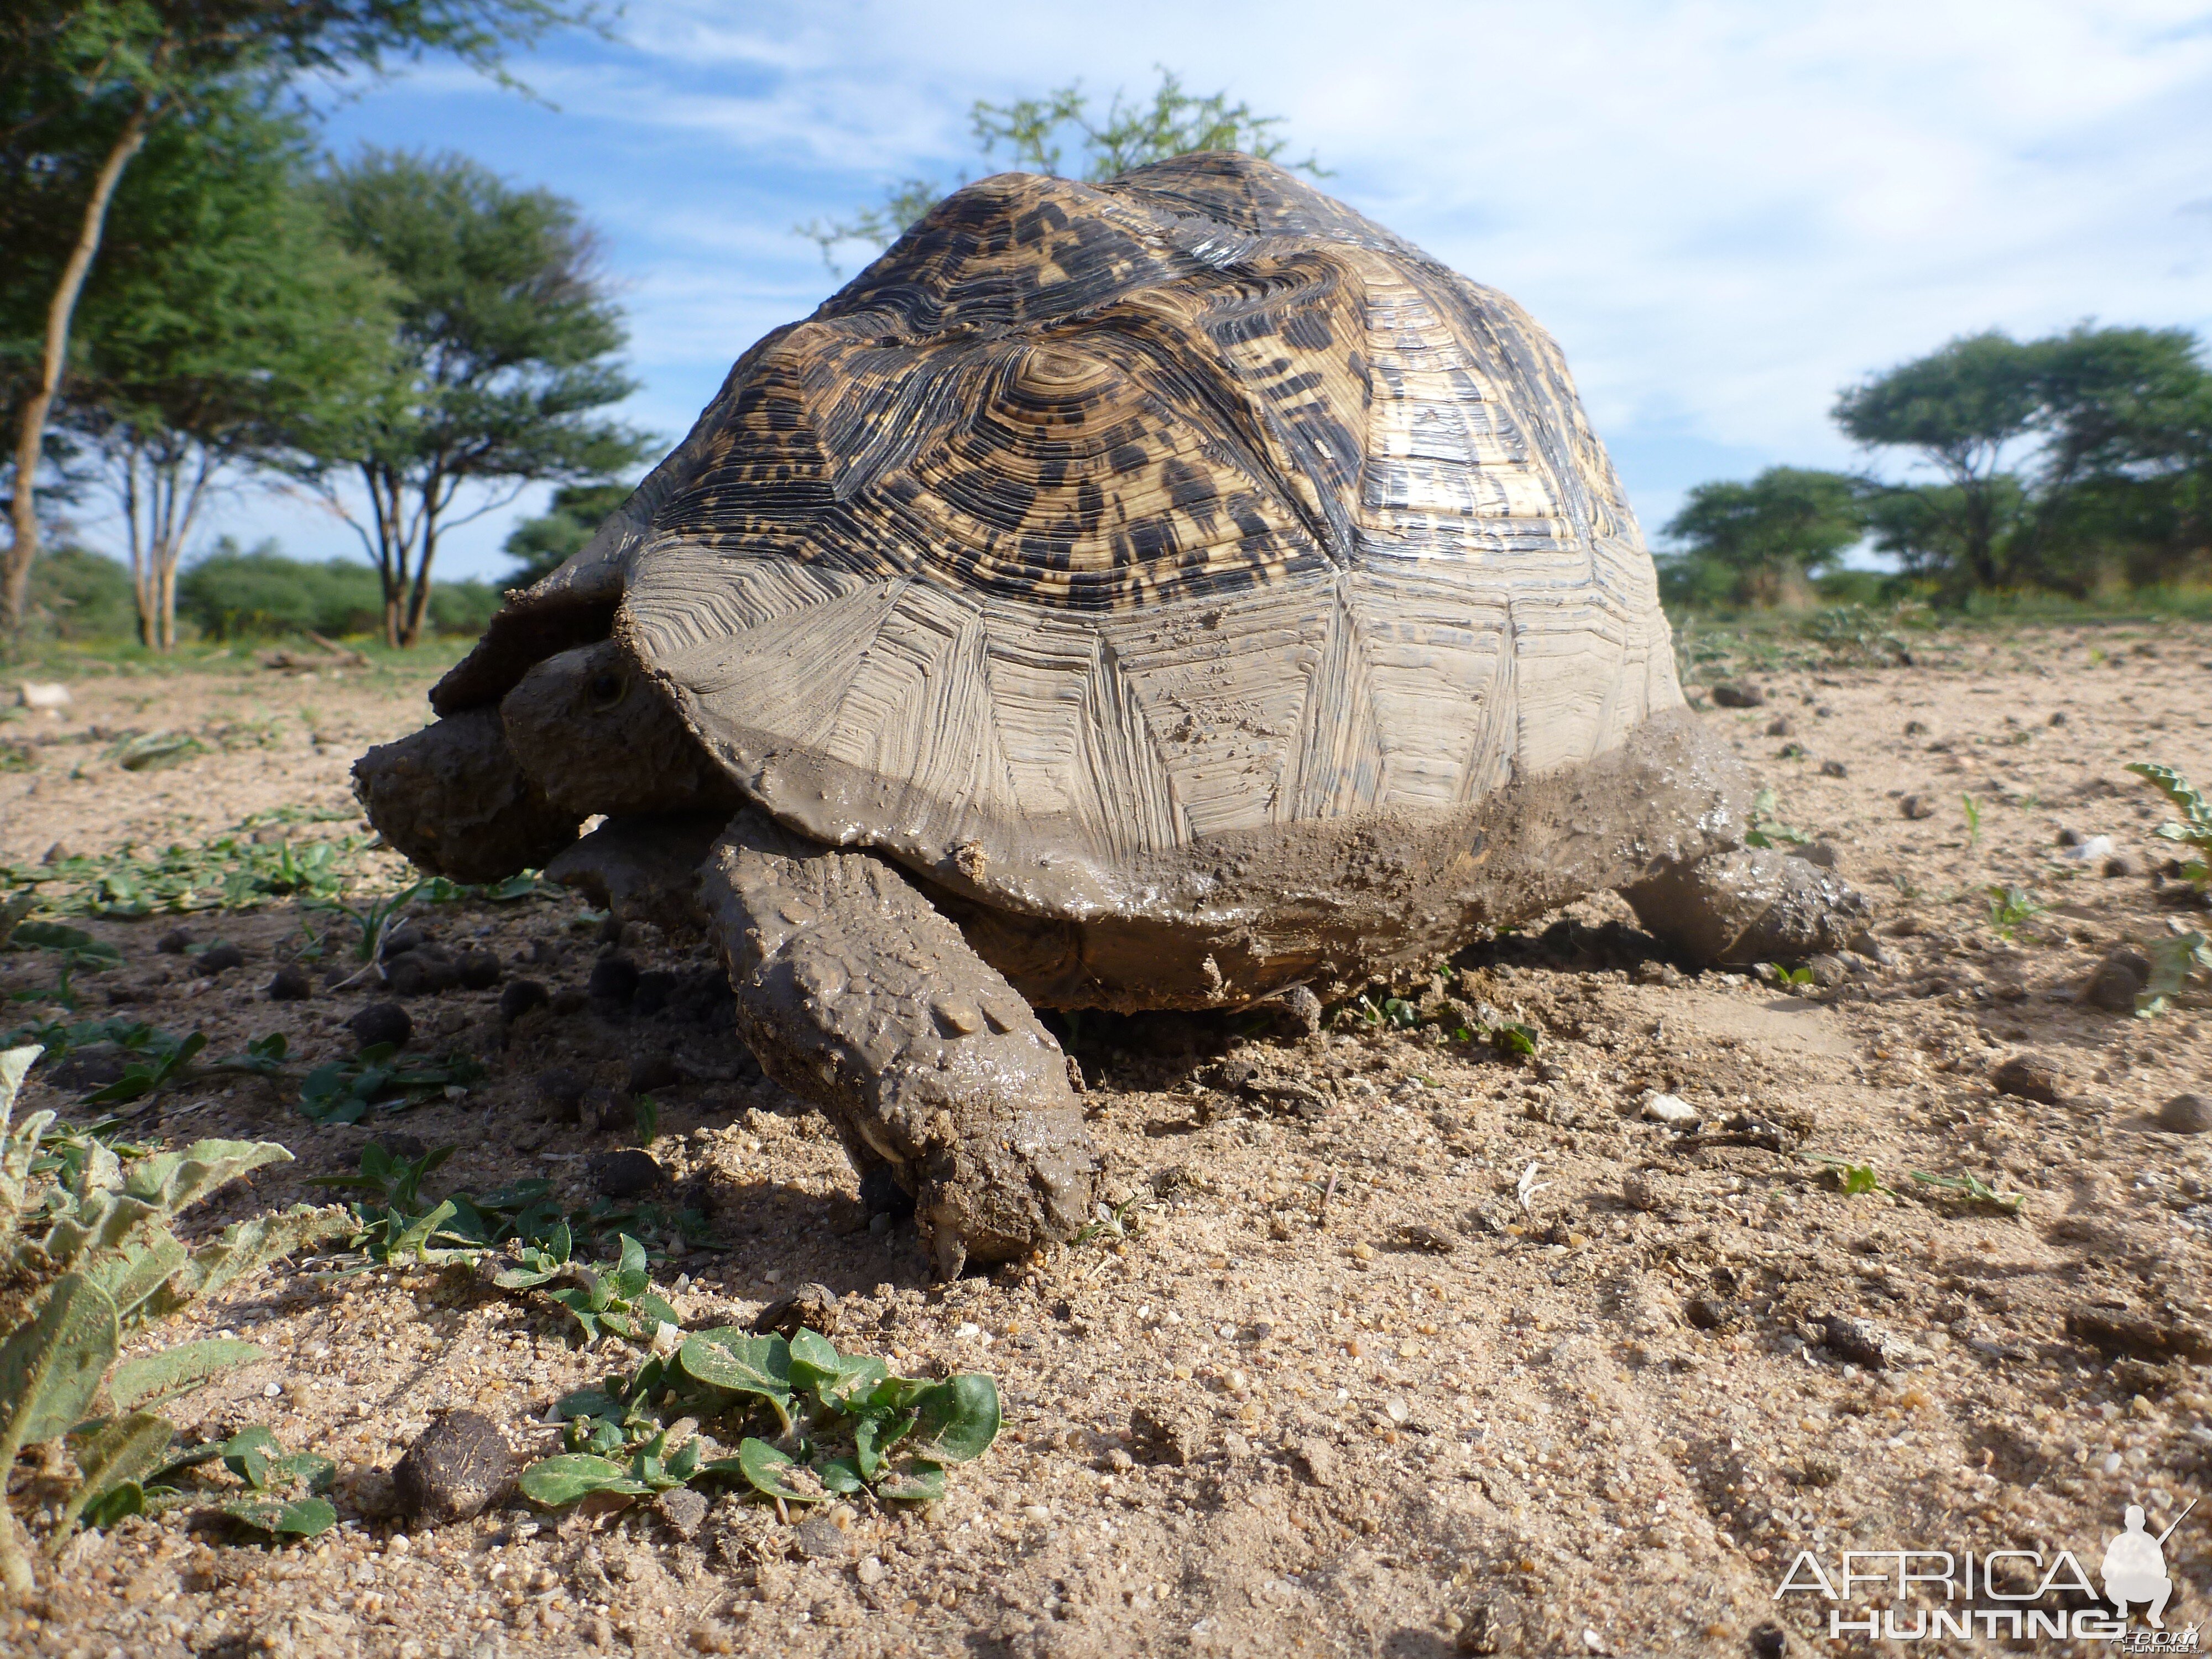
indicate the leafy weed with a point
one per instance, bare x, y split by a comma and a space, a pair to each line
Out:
902, 1431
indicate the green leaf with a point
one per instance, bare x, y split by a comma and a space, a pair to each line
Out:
189, 1458
310, 1470
126, 1497
874, 1436
526, 1278
177, 1181
766, 1466
684, 1463
631, 1277
297, 1517
894, 1393
916, 1481
857, 1378
589, 1402
957, 1419
14, 1066
248, 1454
53, 936
135, 1274
51, 1368
1514, 1039
244, 1246
413, 1240
814, 1359
158, 1376
123, 1451
840, 1475
558, 1482
730, 1359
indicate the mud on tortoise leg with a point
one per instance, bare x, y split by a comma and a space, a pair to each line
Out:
1748, 905
855, 993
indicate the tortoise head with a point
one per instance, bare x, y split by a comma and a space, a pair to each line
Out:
503, 787
596, 734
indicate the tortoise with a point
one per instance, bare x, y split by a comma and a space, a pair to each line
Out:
1173, 593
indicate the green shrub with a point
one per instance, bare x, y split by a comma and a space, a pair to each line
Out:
87, 1254
462, 608
232, 592
78, 595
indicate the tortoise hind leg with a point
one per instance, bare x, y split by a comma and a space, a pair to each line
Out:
856, 994
1746, 905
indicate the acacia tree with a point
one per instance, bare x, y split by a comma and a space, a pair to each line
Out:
2126, 458
83, 84
503, 352
1967, 409
1035, 131
1759, 543
2022, 435
226, 317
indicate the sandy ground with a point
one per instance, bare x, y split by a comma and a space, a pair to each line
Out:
1411, 1349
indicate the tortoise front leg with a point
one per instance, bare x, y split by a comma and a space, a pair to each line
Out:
856, 994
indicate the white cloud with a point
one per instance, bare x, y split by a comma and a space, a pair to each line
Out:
1725, 209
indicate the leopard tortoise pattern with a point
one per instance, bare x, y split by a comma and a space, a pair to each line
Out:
1098, 539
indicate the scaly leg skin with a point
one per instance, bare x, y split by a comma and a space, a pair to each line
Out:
855, 993
1749, 905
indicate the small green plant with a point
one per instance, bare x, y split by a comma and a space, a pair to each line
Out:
150, 752
1766, 829
345, 1090
283, 1496
2011, 908
374, 917
88, 1253
395, 1223
1116, 1221
154, 1059
618, 1300
1972, 1188
902, 1431
230, 872
1856, 1180
2193, 830
2177, 965
1509, 1037
1513, 1038
76, 948
1973, 811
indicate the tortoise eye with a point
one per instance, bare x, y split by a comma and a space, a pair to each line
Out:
606, 688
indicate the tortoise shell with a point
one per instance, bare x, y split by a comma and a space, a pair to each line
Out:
1177, 553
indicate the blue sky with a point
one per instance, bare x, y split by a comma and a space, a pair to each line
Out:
1725, 210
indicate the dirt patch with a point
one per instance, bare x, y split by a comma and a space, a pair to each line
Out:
1413, 1348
